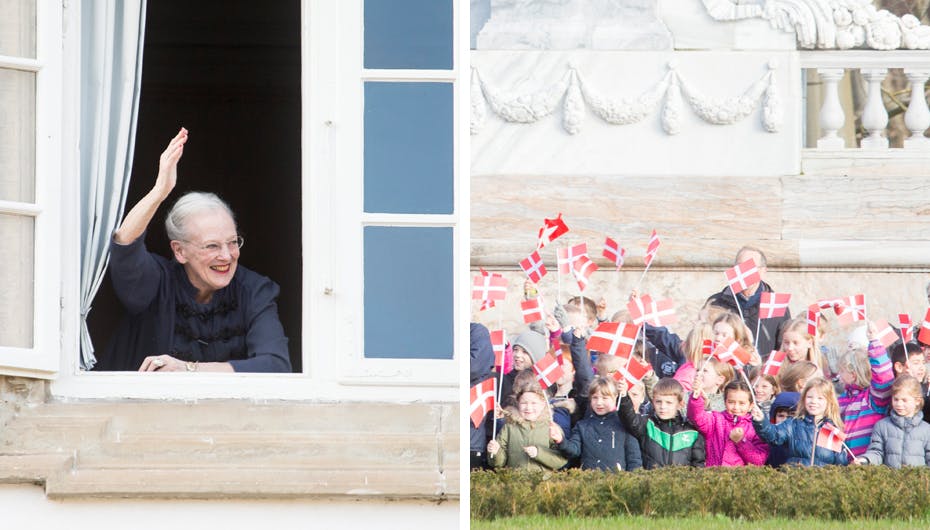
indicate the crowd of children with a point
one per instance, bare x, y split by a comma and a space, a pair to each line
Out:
695, 410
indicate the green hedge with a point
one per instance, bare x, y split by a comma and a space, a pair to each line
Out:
856, 492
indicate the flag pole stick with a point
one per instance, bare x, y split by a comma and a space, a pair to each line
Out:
755, 343
907, 357
738, 308
848, 450
500, 384
642, 277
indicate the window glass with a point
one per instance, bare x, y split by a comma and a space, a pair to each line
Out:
17, 277
415, 34
408, 292
17, 135
18, 28
408, 148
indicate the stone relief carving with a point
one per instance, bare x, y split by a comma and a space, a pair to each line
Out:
830, 24
576, 95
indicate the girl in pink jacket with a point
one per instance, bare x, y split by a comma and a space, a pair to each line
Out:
730, 437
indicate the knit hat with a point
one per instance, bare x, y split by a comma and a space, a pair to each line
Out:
533, 343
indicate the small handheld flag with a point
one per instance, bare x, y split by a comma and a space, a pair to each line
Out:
482, 400
613, 338
551, 230
566, 256
773, 363
831, 437
547, 371
743, 275
773, 305
533, 266
613, 252
652, 248
730, 352
532, 310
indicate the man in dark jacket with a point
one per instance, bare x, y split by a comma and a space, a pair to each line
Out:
769, 330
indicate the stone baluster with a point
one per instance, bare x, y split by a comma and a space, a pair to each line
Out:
831, 113
874, 115
917, 117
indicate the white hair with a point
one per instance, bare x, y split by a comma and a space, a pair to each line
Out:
190, 204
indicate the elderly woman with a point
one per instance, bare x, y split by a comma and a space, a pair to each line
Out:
201, 311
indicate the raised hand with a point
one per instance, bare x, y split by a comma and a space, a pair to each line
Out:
168, 164
757, 413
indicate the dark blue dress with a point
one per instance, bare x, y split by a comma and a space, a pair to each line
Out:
239, 325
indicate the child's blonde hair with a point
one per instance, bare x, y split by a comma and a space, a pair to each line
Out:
693, 346
791, 375
799, 326
741, 333
668, 386
908, 385
832, 412
724, 369
856, 361
590, 306
603, 385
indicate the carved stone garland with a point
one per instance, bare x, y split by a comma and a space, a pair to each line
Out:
831, 24
576, 94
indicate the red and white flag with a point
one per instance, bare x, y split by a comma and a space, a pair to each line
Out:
831, 437
568, 255
656, 313
547, 371
707, 347
533, 266
486, 304
742, 275
551, 230
582, 269
773, 305
905, 325
652, 248
613, 252
614, 338
730, 352
489, 287
773, 363
924, 334
633, 372
498, 345
482, 400
886, 334
813, 319
850, 309
532, 310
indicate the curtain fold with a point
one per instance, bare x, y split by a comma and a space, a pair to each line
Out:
111, 74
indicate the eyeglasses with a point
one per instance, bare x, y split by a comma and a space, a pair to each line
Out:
215, 247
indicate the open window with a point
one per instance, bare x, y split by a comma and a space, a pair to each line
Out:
351, 194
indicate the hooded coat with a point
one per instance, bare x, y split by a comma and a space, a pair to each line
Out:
603, 443
799, 436
518, 433
715, 426
900, 441
778, 455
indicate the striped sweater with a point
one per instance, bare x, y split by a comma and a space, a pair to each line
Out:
862, 408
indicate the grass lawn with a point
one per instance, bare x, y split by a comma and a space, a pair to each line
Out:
693, 523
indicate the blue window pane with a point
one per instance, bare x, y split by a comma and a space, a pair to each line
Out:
408, 34
408, 148
408, 293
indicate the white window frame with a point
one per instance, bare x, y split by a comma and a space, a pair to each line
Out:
41, 360
333, 364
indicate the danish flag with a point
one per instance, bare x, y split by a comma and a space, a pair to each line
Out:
567, 256
773, 305
742, 275
582, 269
652, 248
633, 372
489, 287
886, 334
656, 313
831, 437
497, 344
482, 400
732, 353
773, 363
613, 252
850, 309
614, 338
551, 230
547, 371
924, 334
533, 267
904, 324
486, 304
532, 310
813, 319
707, 347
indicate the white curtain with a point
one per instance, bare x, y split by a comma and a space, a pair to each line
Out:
112, 34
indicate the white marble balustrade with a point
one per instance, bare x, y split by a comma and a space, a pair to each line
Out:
832, 66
